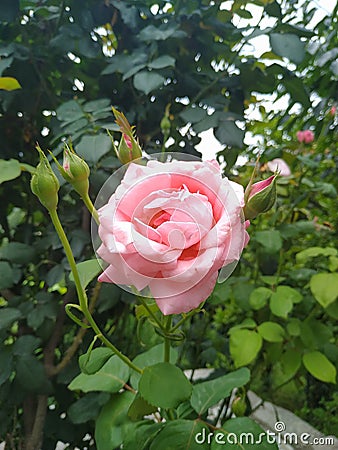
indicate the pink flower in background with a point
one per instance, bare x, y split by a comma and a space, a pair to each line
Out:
306, 136
280, 166
170, 227
333, 111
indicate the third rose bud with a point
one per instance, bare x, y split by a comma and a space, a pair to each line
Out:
260, 197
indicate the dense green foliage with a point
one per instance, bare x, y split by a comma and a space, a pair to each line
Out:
167, 66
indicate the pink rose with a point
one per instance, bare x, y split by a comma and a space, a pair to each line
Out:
306, 136
280, 166
170, 227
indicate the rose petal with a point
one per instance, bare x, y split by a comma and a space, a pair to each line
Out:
183, 300
118, 276
129, 199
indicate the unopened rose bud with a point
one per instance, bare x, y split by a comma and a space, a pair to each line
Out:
44, 183
333, 111
306, 136
75, 171
129, 147
260, 197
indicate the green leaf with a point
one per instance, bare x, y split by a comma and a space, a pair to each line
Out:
288, 45
212, 122
296, 89
41, 311
25, 345
293, 327
147, 82
74, 127
244, 346
313, 252
241, 433
290, 293
180, 434
97, 105
259, 297
56, 275
88, 270
9, 170
333, 263
140, 408
8, 316
92, 148
320, 367
272, 280
94, 360
290, 363
87, 407
69, 111
140, 435
273, 9
110, 422
314, 334
332, 310
193, 114
293, 230
270, 240
6, 363
324, 287
229, 134
9, 84
244, 14
148, 358
17, 252
7, 275
133, 71
31, 375
110, 378
152, 33
164, 385
161, 62
247, 323
271, 331
208, 393
281, 303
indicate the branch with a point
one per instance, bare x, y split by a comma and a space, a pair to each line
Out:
34, 440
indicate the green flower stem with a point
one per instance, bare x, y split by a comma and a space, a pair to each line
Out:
63, 238
149, 311
82, 294
184, 318
91, 208
167, 326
